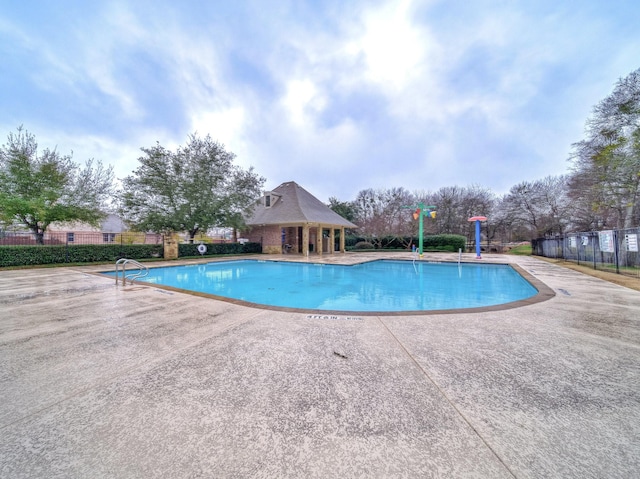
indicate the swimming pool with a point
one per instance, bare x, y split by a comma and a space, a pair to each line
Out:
376, 286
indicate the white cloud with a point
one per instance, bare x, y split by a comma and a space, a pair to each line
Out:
227, 126
339, 97
394, 48
302, 101
103, 45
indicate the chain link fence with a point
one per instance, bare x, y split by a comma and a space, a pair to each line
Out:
610, 250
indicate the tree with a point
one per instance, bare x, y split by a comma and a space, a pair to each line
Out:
542, 206
383, 213
193, 189
606, 165
37, 189
448, 202
477, 201
555, 204
455, 205
343, 208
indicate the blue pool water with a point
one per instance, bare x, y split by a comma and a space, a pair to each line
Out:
381, 285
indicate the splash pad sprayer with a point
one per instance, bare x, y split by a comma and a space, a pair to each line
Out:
421, 210
478, 220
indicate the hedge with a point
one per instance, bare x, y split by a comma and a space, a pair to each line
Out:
45, 254
442, 242
191, 249
445, 242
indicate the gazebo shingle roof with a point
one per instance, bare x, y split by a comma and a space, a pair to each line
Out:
294, 205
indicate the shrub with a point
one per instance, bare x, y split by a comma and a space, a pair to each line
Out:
191, 249
397, 242
442, 242
89, 253
445, 242
351, 240
363, 245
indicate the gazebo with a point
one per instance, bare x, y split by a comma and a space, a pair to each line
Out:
289, 219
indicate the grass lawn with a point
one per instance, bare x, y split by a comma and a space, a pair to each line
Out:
523, 249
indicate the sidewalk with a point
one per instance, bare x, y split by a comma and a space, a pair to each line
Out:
98, 381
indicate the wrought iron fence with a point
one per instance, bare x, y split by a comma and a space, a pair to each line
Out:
610, 250
78, 238
22, 249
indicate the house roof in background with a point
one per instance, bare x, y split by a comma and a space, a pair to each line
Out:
111, 223
292, 204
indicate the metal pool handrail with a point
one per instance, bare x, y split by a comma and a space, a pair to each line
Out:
141, 271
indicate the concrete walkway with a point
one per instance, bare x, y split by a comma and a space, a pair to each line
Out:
138, 382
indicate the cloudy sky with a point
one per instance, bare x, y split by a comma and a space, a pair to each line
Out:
336, 95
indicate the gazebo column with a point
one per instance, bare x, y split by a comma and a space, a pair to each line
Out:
332, 241
305, 240
319, 239
342, 241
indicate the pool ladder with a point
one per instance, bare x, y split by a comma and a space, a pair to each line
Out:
140, 271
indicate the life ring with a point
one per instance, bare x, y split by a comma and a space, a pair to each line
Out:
202, 249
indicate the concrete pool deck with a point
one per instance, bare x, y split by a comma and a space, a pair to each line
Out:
136, 381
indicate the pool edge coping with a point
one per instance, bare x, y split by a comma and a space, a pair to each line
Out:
544, 293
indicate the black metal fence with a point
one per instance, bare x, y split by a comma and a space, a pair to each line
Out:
610, 250
69, 238
60, 247
23, 249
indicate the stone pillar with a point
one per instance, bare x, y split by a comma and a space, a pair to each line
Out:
342, 243
171, 246
305, 240
332, 241
319, 239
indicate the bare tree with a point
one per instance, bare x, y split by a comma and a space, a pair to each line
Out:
541, 206
605, 179
448, 202
383, 213
477, 201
